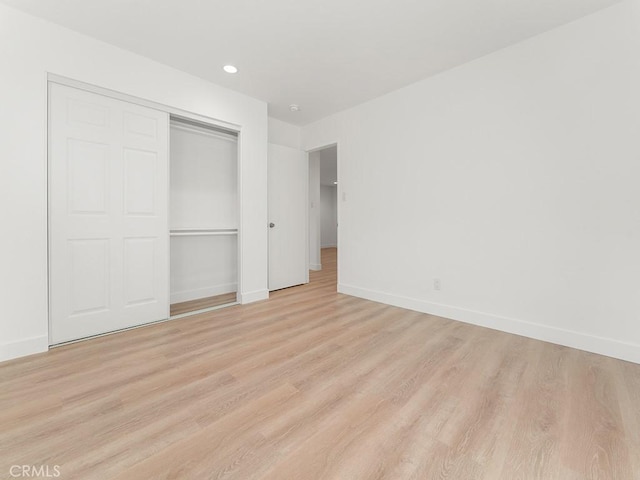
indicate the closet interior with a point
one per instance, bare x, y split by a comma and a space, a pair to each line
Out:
203, 217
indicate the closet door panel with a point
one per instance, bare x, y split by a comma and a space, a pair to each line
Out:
139, 271
88, 177
139, 126
140, 180
88, 279
108, 218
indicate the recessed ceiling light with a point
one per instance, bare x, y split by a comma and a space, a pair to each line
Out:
335, 183
230, 69
294, 108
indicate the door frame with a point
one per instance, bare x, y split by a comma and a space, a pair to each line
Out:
173, 112
340, 197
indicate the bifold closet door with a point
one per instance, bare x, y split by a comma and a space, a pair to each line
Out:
108, 209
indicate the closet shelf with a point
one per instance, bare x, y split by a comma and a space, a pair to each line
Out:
191, 232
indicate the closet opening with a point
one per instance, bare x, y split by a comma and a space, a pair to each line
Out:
203, 217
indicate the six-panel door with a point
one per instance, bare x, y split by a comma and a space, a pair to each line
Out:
108, 225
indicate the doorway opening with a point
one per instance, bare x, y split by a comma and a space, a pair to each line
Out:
323, 213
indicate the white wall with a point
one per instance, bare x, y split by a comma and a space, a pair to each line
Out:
329, 216
29, 48
315, 229
204, 179
203, 266
283, 133
512, 179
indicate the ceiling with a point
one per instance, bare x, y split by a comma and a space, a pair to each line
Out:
324, 55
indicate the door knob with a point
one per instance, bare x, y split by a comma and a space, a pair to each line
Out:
271, 225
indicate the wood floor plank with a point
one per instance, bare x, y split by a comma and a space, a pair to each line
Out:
312, 384
220, 436
202, 303
600, 448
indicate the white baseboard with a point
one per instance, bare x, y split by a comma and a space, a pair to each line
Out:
569, 338
24, 347
332, 245
211, 291
255, 296
315, 266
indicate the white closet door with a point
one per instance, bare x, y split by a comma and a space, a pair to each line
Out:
108, 228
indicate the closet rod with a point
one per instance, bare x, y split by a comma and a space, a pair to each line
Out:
200, 234
203, 130
189, 232
204, 229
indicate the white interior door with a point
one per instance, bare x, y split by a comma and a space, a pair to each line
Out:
288, 184
108, 229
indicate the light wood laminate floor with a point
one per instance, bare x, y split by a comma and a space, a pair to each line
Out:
202, 303
312, 385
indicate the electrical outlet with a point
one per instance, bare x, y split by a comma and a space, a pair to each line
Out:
436, 284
